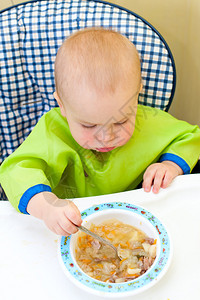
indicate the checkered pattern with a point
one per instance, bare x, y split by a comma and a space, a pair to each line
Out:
30, 35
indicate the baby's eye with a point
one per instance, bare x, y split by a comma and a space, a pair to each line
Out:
121, 123
88, 126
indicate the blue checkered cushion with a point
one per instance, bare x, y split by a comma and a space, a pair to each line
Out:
30, 35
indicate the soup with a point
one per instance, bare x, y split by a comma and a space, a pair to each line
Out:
136, 250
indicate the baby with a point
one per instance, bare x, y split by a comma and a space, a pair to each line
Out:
99, 140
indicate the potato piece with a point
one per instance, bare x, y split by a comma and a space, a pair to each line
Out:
119, 280
124, 253
152, 251
133, 271
146, 247
91, 274
108, 267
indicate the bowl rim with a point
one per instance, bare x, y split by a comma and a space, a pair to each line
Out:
116, 290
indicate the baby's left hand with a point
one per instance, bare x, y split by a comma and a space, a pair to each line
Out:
160, 175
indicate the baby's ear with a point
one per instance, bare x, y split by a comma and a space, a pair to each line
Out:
62, 110
141, 87
55, 94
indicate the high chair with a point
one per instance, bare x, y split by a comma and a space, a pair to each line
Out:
30, 35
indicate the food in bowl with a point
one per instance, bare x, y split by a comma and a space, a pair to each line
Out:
136, 250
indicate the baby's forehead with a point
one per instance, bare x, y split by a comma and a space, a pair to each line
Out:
87, 107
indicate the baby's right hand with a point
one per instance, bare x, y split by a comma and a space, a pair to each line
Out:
61, 215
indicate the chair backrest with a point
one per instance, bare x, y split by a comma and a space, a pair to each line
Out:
30, 35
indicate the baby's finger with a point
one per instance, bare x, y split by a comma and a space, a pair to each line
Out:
158, 179
59, 230
67, 225
148, 180
73, 214
167, 180
76, 208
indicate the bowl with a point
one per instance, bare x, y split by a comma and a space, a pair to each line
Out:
129, 214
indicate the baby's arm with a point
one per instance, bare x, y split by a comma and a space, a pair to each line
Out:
59, 215
160, 175
35, 169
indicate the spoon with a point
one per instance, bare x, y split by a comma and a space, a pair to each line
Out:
99, 238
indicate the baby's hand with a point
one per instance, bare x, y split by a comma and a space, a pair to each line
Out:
59, 215
160, 175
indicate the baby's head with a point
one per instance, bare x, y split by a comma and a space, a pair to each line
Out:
98, 80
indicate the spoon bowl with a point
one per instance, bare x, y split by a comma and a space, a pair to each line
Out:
99, 238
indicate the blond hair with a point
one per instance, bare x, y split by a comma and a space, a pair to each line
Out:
100, 58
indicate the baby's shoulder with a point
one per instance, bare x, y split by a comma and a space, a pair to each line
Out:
53, 116
148, 114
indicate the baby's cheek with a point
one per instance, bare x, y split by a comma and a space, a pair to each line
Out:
86, 139
128, 131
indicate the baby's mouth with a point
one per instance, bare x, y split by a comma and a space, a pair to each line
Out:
105, 149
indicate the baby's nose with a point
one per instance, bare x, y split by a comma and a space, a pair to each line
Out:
105, 134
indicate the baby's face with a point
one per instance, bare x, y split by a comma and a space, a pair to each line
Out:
101, 122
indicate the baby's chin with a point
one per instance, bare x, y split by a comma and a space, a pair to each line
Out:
105, 149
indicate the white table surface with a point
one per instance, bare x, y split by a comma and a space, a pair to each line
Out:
29, 267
